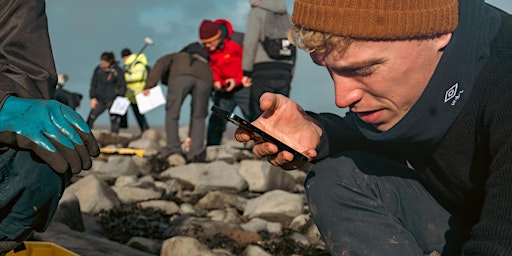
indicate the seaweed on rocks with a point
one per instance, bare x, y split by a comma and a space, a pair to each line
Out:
284, 245
122, 223
157, 165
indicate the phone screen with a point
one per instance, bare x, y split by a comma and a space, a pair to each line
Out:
240, 122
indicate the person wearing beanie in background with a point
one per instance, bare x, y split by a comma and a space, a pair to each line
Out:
185, 72
107, 83
421, 164
135, 75
226, 64
267, 19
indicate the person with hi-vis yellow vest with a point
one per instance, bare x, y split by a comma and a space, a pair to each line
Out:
136, 73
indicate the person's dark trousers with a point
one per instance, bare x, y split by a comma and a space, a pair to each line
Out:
227, 100
30, 191
180, 87
367, 205
267, 80
123, 121
141, 119
96, 112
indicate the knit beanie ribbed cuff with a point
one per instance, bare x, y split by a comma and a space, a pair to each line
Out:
210, 39
377, 19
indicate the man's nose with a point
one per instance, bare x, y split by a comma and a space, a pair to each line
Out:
347, 91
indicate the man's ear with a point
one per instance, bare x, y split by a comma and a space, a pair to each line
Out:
443, 40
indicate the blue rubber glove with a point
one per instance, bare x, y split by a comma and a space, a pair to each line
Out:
53, 131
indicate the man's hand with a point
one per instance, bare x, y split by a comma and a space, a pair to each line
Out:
246, 81
94, 103
231, 84
53, 131
286, 121
217, 86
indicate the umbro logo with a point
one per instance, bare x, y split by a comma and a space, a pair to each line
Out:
453, 94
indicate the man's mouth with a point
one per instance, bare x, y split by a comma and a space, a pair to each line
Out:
370, 117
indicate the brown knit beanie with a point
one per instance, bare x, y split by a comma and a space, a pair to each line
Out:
377, 19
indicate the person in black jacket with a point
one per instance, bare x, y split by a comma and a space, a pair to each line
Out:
106, 84
42, 142
421, 164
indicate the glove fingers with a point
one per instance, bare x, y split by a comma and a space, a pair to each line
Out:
83, 131
84, 145
85, 155
71, 156
63, 128
68, 141
90, 142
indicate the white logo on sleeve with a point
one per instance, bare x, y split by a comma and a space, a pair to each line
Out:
453, 94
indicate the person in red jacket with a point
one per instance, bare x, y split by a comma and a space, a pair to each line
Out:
226, 64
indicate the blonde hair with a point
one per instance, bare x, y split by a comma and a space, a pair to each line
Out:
317, 42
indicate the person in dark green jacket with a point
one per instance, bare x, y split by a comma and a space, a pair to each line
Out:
421, 164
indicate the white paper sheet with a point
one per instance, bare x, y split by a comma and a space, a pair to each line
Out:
154, 99
120, 105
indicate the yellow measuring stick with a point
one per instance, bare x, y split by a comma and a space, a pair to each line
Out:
123, 151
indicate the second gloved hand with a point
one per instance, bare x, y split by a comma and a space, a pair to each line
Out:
53, 131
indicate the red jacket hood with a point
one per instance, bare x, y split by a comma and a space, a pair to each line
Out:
227, 24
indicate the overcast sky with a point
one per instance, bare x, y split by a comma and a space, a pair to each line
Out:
81, 30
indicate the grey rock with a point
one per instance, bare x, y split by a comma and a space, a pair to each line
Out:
94, 194
145, 245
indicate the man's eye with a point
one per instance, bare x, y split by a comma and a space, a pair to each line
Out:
364, 72
360, 72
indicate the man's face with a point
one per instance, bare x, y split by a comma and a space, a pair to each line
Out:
212, 45
381, 80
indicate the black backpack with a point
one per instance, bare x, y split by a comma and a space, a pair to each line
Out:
276, 43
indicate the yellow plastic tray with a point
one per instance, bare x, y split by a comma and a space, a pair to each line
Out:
42, 249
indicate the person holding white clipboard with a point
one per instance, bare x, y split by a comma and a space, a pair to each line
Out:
106, 84
184, 72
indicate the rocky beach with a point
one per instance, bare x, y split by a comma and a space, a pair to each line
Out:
232, 204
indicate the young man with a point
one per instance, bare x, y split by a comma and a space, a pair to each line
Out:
42, 142
421, 163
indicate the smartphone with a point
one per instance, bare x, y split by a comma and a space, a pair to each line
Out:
240, 122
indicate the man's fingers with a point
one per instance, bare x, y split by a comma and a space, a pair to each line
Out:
268, 102
242, 135
264, 149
